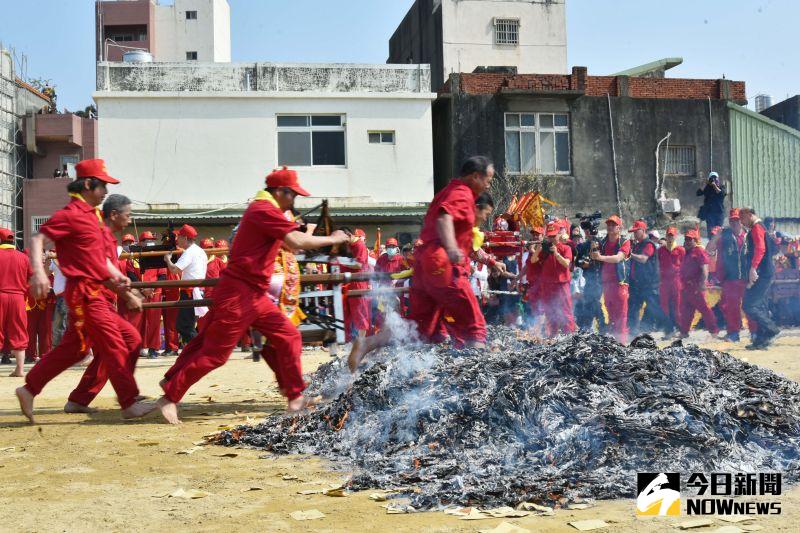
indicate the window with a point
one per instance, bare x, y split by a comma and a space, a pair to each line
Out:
191, 56
37, 222
679, 161
381, 137
311, 140
506, 31
68, 161
191, 15
537, 143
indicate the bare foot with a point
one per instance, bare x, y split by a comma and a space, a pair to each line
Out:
169, 410
162, 383
356, 354
25, 402
17, 373
72, 407
137, 410
301, 403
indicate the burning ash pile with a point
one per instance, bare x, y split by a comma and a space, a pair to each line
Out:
527, 421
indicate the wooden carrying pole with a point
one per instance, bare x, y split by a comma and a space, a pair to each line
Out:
305, 279
178, 304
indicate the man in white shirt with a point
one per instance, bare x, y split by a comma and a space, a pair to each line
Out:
59, 325
191, 265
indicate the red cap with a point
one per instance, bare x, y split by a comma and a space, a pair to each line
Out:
206, 243
147, 236
538, 229
639, 224
221, 243
6, 234
187, 231
692, 234
93, 168
614, 219
391, 241
715, 230
129, 238
733, 214
552, 229
672, 230
284, 177
359, 233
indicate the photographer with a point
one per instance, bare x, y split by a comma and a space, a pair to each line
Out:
555, 258
613, 253
712, 210
587, 307
644, 284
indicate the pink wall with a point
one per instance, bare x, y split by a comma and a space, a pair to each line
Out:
125, 13
42, 198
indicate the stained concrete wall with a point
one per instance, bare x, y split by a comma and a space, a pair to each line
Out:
263, 77
475, 126
418, 39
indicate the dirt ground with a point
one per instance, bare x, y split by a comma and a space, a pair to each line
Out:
96, 472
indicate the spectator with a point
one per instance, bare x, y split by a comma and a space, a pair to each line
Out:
712, 210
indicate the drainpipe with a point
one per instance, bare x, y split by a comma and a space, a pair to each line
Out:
614, 156
661, 187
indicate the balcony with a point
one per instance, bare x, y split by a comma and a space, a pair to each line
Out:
58, 127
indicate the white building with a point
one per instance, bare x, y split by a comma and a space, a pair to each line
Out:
198, 137
184, 30
190, 30
464, 35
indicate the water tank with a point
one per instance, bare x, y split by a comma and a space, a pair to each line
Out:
137, 56
763, 101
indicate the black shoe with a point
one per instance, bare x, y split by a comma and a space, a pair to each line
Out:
256, 355
732, 337
6, 360
757, 345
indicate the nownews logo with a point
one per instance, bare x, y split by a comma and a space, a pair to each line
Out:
659, 494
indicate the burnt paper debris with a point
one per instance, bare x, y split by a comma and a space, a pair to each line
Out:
526, 421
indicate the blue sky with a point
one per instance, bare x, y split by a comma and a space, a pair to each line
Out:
749, 40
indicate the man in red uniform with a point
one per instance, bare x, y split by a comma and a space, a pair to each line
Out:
117, 216
533, 275
670, 257
731, 275
757, 255
555, 257
151, 318
40, 331
130, 268
15, 269
241, 299
357, 310
80, 238
694, 275
440, 283
392, 261
613, 253
644, 282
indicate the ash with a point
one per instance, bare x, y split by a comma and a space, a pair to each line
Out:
527, 421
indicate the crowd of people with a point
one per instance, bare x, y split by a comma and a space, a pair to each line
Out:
70, 298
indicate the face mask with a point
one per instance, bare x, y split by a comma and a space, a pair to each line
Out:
391, 252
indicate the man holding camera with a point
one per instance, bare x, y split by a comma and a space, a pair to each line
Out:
613, 253
644, 283
555, 257
588, 307
713, 208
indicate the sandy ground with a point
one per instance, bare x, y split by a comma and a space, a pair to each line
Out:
95, 472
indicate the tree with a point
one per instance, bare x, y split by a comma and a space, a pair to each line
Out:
90, 111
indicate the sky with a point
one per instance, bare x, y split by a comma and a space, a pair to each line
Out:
747, 40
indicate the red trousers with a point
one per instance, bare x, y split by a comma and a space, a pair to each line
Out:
170, 333
95, 376
556, 300
93, 321
357, 315
151, 329
40, 331
237, 306
13, 330
615, 296
731, 303
670, 297
133, 318
694, 299
440, 288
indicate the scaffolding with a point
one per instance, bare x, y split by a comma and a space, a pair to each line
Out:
10, 148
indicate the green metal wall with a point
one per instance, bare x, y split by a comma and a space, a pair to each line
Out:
765, 164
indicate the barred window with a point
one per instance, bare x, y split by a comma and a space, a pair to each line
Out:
191, 15
191, 56
537, 143
381, 137
680, 161
506, 31
37, 222
311, 140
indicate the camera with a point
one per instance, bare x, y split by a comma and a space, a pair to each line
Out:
590, 223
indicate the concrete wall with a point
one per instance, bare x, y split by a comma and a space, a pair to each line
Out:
468, 34
476, 127
208, 34
215, 149
418, 39
786, 112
